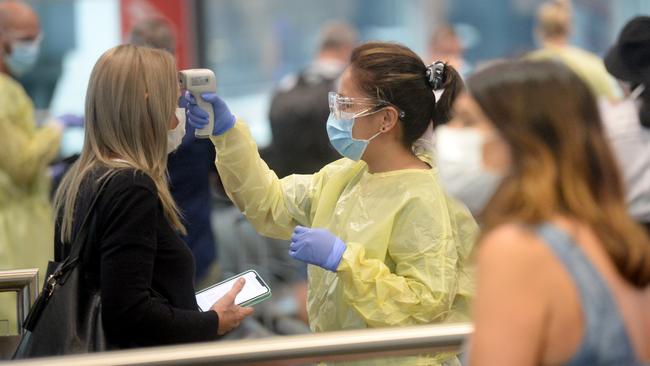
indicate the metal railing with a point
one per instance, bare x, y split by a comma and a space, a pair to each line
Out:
25, 283
284, 350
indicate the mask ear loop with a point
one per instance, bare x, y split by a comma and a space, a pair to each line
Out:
361, 114
375, 135
371, 137
383, 129
636, 93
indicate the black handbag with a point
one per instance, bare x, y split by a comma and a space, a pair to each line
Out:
67, 316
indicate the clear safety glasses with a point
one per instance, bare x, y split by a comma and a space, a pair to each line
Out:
348, 107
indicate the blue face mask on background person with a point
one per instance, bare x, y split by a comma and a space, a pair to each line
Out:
339, 131
23, 56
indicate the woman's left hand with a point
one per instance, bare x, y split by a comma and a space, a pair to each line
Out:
318, 247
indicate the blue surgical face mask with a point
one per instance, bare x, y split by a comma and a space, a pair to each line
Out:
339, 132
23, 56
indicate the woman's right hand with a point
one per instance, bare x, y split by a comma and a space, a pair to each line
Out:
230, 314
224, 120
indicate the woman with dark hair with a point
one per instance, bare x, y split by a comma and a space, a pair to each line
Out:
563, 270
387, 246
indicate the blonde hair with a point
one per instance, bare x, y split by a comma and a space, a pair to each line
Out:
554, 19
130, 102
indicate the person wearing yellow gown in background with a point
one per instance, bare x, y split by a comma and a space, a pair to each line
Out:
26, 220
553, 31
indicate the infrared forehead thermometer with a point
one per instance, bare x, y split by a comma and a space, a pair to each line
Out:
197, 82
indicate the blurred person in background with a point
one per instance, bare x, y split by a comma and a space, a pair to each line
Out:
26, 228
386, 246
137, 260
459, 159
445, 45
155, 32
627, 122
563, 270
191, 166
554, 21
299, 106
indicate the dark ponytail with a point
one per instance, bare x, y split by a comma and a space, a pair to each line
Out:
644, 111
452, 84
396, 74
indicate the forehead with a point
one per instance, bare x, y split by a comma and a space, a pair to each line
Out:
348, 86
22, 21
466, 106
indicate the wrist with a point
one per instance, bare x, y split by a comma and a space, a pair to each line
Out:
336, 255
213, 321
228, 122
233, 120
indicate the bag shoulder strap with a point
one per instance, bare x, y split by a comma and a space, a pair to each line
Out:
79, 241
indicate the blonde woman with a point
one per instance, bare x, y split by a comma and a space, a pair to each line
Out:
136, 258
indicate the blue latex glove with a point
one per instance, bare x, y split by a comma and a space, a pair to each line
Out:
182, 102
318, 247
71, 120
198, 118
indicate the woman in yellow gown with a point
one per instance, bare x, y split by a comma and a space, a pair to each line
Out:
386, 244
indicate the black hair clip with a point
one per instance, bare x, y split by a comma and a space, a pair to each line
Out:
435, 75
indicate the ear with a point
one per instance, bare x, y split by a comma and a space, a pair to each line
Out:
389, 116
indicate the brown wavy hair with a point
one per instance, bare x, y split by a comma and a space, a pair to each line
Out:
561, 160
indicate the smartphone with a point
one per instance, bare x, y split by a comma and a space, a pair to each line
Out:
255, 291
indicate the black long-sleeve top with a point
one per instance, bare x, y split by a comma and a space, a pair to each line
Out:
144, 271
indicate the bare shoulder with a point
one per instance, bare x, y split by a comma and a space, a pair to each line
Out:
509, 240
514, 250
513, 296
